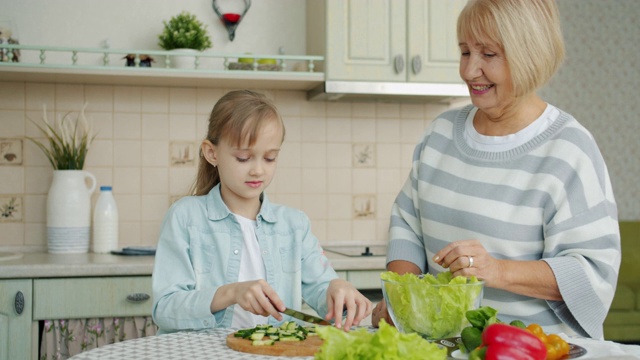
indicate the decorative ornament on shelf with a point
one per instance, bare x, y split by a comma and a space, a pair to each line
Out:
231, 20
184, 33
69, 197
8, 36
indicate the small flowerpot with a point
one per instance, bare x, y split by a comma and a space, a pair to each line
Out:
69, 211
184, 61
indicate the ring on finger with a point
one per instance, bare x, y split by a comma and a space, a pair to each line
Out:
470, 261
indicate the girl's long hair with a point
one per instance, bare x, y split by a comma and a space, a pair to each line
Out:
236, 117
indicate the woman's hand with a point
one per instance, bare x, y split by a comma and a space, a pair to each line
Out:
340, 295
255, 296
467, 258
380, 312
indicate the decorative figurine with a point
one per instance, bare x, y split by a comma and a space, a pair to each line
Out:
231, 20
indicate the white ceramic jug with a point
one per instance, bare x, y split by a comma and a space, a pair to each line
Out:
69, 211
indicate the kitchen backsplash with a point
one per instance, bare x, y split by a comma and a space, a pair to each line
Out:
342, 163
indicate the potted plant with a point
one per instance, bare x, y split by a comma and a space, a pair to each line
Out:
69, 197
184, 32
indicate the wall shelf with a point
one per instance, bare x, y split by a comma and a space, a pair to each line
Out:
78, 66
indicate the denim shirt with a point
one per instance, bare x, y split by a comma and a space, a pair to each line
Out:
199, 250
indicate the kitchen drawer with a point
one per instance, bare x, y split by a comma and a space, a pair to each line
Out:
71, 298
365, 279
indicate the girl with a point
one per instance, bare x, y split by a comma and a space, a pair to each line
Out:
227, 257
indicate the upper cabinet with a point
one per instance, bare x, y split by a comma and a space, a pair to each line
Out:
386, 40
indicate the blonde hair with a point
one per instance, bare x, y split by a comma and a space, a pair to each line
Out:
528, 31
237, 117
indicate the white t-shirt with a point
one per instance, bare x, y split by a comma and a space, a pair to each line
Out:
503, 143
251, 268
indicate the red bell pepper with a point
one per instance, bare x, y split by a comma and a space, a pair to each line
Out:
507, 342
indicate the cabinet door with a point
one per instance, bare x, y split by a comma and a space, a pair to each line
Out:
432, 38
15, 328
364, 40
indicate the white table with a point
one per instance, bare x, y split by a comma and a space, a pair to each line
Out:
211, 344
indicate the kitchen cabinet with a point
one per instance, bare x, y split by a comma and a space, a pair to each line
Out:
386, 40
15, 319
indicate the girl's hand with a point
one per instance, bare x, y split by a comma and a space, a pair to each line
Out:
469, 257
341, 294
255, 296
380, 312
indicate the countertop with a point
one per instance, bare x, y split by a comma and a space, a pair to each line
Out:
45, 265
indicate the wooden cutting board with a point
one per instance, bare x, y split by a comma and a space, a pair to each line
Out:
306, 347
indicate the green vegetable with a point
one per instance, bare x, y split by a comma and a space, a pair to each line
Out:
386, 343
435, 312
471, 337
518, 323
482, 317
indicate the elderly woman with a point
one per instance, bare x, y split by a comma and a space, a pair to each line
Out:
512, 189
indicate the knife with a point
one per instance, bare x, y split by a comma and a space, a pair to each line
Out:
305, 317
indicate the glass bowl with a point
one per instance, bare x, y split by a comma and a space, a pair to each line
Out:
434, 311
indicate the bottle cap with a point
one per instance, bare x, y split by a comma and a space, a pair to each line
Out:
105, 188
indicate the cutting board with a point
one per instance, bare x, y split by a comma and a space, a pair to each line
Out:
306, 347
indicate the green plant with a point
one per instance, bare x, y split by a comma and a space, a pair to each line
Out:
184, 31
68, 140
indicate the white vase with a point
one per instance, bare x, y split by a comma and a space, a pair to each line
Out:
69, 211
184, 61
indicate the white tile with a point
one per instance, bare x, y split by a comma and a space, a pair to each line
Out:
154, 207
202, 127
387, 110
314, 181
388, 155
35, 208
12, 234
39, 95
338, 109
182, 100
69, 97
35, 235
315, 206
339, 155
382, 231
384, 204
290, 200
33, 156
12, 179
155, 180
314, 130
293, 129
126, 180
388, 130
126, 153
127, 99
36, 118
339, 207
363, 130
155, 153
388, 181
12, 95
339, 181
339, 230
100, 153
364, 230
181, 180
290, 155
37, 179
411, 131
155, 100
363, 110
12, 123
99, 98
290, 103
128, 207
411, 111
364, 181
338, 130
150, 232
289, 181
182, 127
101, 124
314, 155
319, 230
104, 177
155, 126
129, 233
206, 99
313, 109
126, 126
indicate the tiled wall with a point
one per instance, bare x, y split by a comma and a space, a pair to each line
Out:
342, 163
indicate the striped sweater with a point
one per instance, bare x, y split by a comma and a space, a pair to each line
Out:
550, 199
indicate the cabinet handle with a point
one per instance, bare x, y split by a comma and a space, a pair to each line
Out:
416, 64
138, 297
19, 302
398, 63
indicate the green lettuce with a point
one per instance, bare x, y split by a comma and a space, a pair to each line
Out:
435, 312
386, 343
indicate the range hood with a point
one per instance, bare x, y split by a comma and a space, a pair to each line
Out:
388, 91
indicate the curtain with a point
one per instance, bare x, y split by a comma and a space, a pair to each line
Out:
62, 339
